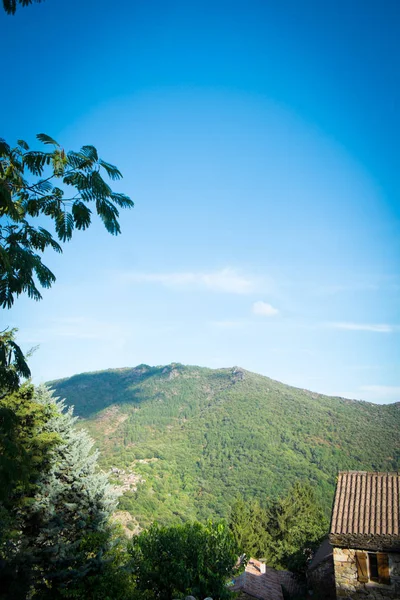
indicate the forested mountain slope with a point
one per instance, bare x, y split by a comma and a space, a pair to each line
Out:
196, 438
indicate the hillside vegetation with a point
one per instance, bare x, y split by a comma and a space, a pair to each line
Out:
190, 440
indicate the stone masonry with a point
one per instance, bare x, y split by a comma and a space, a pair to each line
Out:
348, 586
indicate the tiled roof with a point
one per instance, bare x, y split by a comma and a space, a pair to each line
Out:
263, 586
366, 503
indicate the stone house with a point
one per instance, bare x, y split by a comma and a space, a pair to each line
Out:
365, 535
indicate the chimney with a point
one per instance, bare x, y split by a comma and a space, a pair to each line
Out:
263, 567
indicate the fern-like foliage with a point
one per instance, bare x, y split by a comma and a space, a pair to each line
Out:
10, 6
13, 363
27, 191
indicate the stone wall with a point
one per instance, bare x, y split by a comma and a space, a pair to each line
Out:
321, 580
348, 586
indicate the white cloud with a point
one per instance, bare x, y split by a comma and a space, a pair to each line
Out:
226, 280
375, 327
264, 309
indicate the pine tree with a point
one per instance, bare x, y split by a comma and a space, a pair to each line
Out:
297, 526
65, 537
25, 455
285, 532
249, 525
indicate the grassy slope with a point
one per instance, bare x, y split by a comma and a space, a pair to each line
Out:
199, 437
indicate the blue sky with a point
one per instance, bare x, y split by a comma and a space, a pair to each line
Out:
259, 141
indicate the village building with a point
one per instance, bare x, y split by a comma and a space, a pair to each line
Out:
258, 582
365, 536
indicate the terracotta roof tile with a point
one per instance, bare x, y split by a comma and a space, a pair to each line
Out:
366, 503
263, 586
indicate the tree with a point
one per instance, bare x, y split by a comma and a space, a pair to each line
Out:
63, 538
285, 532
68, 207
171, 562
26, 446
297, 525
249, 525
10, 6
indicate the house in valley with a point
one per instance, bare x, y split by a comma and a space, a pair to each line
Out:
365, 536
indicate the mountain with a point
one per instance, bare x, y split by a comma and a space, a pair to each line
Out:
183, 442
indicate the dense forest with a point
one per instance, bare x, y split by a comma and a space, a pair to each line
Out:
189, 440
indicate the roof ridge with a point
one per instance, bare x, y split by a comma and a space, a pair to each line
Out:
369, 472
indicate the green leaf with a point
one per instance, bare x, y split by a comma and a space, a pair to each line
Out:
43, 186
39, 239
5, 198
52, 206
35, 161
64, 225
108, 214
50, 241
33, 207
10, 6
6, 293
19, 360
46, 139
4, 148
23, 144
90, 152
112, 171
78, 161
45, 276
122, 200
81, 214
4, 259
99, 186
78, 180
